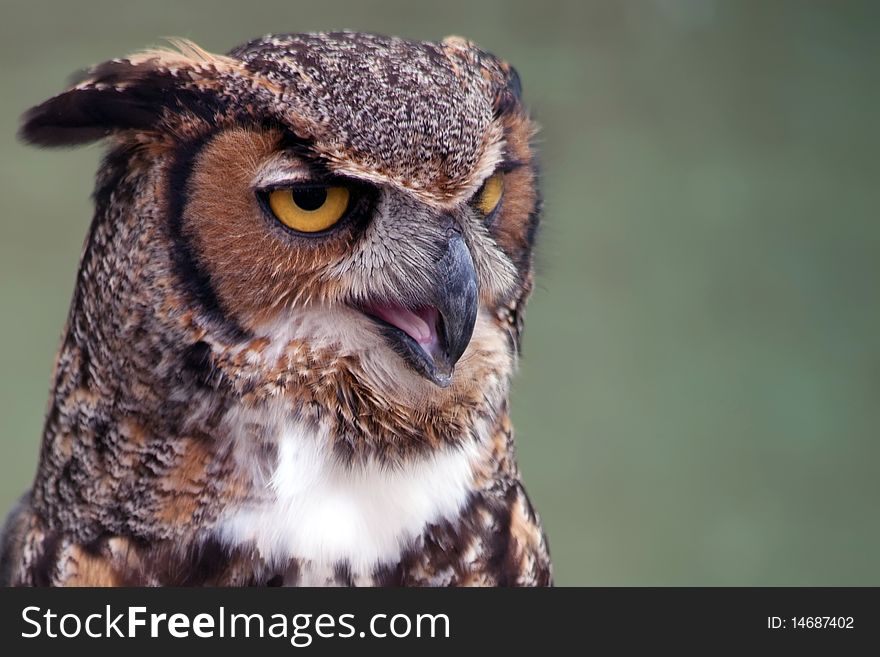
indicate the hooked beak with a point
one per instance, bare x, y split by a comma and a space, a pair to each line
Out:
432, 333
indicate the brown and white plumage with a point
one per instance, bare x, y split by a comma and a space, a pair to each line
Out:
239, 402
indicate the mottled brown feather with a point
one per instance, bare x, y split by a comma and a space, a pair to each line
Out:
193, 309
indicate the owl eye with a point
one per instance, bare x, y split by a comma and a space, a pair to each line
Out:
309, 209
490, 193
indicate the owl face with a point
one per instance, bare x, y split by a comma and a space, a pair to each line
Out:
286, 242
369, 198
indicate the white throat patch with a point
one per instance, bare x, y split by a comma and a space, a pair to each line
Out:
366, 515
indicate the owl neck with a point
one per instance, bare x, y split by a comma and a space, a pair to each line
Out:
154, 433
164, 443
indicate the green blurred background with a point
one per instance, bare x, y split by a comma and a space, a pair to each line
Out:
699, 400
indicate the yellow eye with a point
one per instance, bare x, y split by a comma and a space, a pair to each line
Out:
309, 209
490, 194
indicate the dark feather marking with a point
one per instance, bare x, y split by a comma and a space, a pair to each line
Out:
43, 570
503, 560
206, 563
85, 361
197, 364
342, 574
390, 575
292, 574
508, 99
188, 268
96, 547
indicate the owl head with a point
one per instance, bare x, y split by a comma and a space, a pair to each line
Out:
342, 219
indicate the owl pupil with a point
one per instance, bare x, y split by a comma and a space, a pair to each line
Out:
310, 199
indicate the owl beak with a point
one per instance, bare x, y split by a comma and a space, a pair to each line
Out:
456, 300
432, 334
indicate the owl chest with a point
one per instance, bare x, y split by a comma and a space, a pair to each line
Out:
327, 515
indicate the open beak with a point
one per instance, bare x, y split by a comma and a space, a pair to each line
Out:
431, 333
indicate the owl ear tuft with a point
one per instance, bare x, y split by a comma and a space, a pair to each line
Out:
124, 94
117, 95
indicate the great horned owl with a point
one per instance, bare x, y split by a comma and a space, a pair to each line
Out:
298, 310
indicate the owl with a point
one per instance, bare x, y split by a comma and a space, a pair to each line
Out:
297, 313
